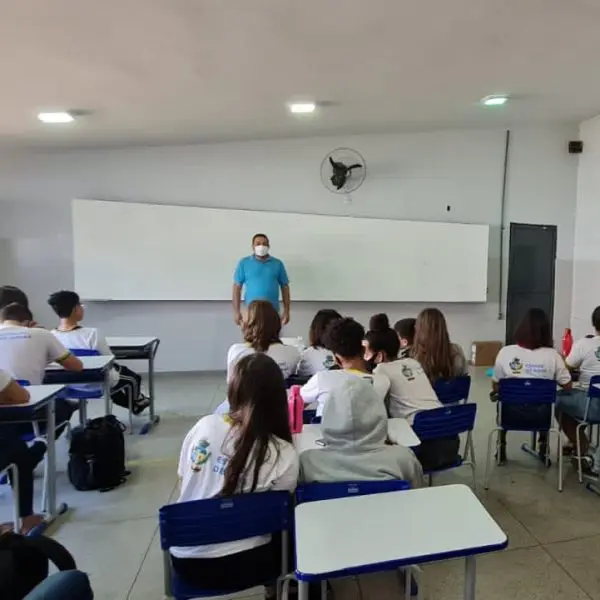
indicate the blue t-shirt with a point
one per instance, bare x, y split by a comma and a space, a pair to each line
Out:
261, 278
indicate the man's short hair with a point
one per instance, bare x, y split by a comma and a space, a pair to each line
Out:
10, 294
16, 312
63, 303
257, 235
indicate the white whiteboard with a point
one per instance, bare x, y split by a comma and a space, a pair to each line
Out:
128, 251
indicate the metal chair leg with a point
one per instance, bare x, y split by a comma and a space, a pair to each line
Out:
578, 452
130, 399
488, 459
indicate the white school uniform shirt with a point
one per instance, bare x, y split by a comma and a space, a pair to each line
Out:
25, 352
5, 380
542, 363
585, 356
325, 385
314, 359
286, 357
204, 456
87, 338
410, 389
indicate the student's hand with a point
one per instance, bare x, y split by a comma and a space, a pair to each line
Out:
237, 318
285, 317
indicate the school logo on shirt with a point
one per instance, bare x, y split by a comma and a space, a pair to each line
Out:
597, 353
516, 366
408, 372
329, 362
200, 454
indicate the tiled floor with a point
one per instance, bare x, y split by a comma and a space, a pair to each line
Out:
554, 537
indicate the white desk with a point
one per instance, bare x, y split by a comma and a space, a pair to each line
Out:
399, 431
139, 348
335, 539
96, 369
40, 396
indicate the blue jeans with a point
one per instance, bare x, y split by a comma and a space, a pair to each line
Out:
574, 402
73, 585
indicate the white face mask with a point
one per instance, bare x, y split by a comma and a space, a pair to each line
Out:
261, 250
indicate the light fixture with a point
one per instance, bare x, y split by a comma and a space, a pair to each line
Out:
56, 117
302, 108
496, 100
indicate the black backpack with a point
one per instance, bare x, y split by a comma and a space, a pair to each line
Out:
97, 455
24, 563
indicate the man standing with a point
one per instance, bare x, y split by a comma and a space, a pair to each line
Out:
262, 275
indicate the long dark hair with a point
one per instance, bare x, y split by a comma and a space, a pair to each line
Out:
259, 412
534, 330
382, 338
319, 324
262, 326
431, 346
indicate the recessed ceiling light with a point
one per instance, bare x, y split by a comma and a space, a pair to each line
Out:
302, 108
56, 117
496, 100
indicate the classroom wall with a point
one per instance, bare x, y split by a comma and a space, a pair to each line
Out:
439, 176
586, 275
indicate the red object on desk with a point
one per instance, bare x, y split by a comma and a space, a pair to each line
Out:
567, 342
295, 409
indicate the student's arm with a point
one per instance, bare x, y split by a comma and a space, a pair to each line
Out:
461, 366
102, 345
287, 477
563, 377
575, 358
498, 373
284, 283
381, 383
56, 352
239, 278
11, 392
310, 391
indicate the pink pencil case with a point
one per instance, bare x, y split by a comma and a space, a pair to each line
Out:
295, 408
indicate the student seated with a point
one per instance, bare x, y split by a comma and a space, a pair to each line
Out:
261, 329
16, 451
316, 357
247, 450
26, 351
123, 381
344, 338
432, 348
405, 329
532, 356
354, 428
571, 405
410, 390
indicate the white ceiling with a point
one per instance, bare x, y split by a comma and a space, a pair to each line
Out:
162, 71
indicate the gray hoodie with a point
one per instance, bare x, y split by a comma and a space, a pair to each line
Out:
354, 427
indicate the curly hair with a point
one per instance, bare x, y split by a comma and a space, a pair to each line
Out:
344, 337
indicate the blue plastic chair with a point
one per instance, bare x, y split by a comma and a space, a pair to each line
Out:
309, 417
295, 380
314, 492
453, 391
445, 422
525, 392
219, 520
84, 391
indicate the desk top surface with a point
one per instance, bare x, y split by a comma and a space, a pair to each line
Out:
131, 341
420, 525
90, 363
38, 394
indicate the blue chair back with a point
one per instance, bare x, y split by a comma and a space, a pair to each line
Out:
445, 421
311, 492
453, 391
23, 382
220, 520
295, 380
83, 352
526, 391
593, 391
